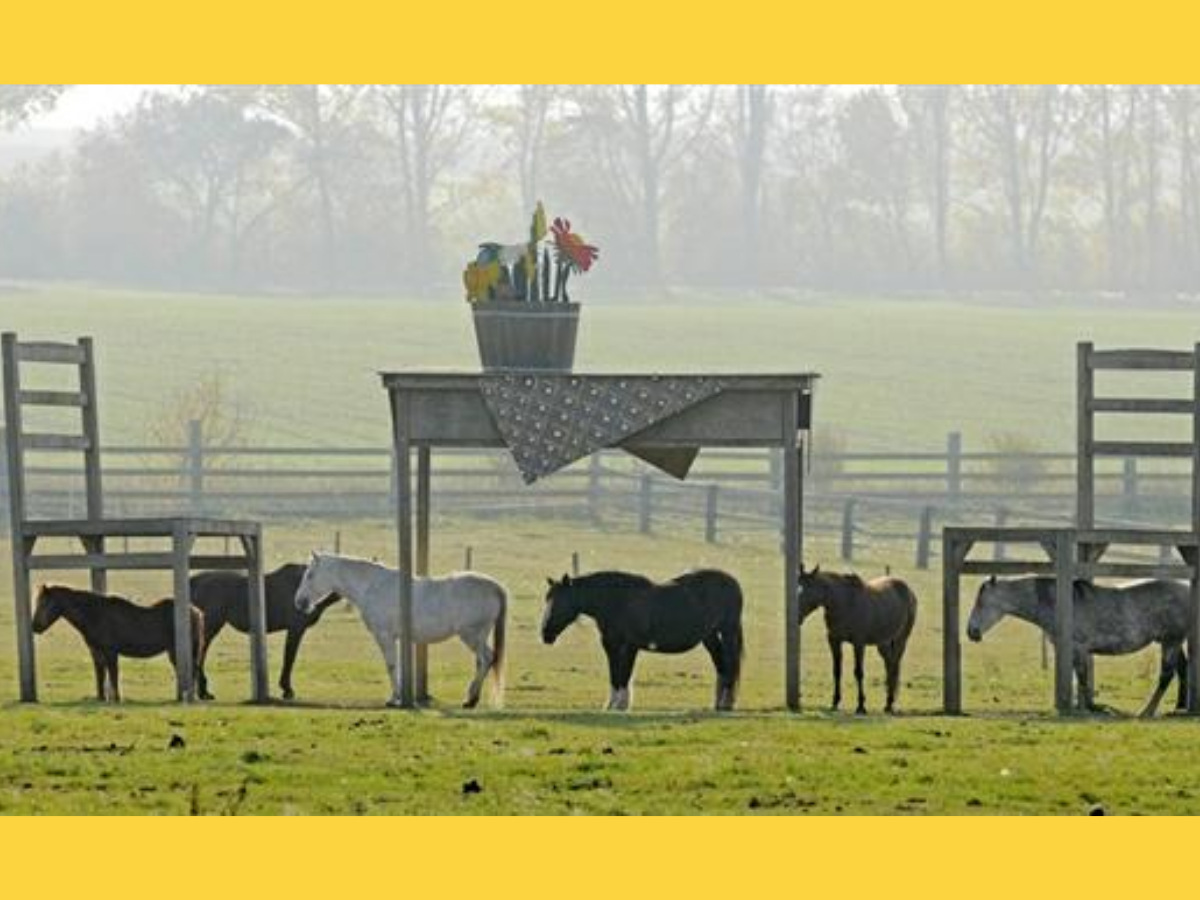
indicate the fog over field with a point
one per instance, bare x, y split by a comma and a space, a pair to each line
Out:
1034, 191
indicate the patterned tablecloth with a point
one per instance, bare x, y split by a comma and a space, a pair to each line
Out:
550, 421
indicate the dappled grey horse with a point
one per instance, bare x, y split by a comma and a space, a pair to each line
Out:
1110, 621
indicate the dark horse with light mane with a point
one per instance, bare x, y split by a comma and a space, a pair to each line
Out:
881, 612
634, 613
224, 599
113, 627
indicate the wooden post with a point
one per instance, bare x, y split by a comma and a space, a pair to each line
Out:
195, 465
184, 663
4, 520
1085, 474
21, 546
1064, 619
999, 551
90, 422
954, 466
791, 553
1192, 556
924, 537
1129, 484
645, 498
1196, 439
405, 695
710, 513
260, 687
468, 558
848, 531
953, 553
424, 465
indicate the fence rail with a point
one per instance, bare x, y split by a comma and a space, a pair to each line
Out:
860, 498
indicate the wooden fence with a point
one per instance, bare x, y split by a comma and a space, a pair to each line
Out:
861, 499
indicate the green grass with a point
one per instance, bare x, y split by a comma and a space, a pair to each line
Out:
895, 375
551, 749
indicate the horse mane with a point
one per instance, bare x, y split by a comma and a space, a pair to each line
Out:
611, 578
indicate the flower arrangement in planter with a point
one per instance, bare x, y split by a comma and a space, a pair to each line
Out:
524, 316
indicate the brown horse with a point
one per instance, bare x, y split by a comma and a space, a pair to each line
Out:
113, 627
881, 612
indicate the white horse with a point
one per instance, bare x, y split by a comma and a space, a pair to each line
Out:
465, 604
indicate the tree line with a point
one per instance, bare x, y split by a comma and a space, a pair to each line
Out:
389, 187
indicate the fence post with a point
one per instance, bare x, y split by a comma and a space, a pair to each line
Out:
1001, 521
710, 513
1129, 483
595, 471
954, 465
644, 501
924, 537
468, 558
195, 465
4, 510
848, 531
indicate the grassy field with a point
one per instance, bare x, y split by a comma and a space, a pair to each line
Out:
551, 749
896, 375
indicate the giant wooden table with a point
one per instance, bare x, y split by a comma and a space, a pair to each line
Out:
440, 409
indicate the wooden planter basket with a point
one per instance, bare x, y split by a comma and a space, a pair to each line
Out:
519, 335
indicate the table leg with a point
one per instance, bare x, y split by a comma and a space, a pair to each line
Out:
184, 663
421, 675
402, 446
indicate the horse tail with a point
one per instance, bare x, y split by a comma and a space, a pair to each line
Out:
499, 630
735, 639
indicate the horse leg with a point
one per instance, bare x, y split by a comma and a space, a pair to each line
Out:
1181, 672
621, 658
1083, 676
859, 652
716, 650
1166, 672
98, 665
891, 653
387, 646
292, 646
835, 652
114, 677
212, 629
476, 641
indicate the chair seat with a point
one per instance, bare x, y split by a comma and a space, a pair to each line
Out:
166, 527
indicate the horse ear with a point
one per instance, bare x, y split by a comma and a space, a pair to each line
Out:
566, 580
816, 570
992, 581
550, 582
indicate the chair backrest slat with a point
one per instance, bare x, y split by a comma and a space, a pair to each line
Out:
18, 441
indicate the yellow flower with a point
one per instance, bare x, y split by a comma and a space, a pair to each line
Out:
539, 223
479, 279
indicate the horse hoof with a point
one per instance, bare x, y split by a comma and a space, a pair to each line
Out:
861, 711
288, 694
470, 704
394, 703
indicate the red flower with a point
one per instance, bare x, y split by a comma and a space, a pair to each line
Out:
570, 247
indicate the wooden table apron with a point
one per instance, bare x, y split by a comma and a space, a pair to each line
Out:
447, 410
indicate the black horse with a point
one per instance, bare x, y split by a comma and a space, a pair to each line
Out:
113, 627
634, 613
224, 599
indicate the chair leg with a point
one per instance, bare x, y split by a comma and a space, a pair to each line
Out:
184, 664
21, 549
260, 688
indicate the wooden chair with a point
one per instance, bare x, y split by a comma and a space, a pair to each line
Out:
92, 532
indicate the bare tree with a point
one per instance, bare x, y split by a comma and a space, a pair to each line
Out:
752, 121
429, 125
1022, 132
641, 134
319, 117
930, 112
19, 102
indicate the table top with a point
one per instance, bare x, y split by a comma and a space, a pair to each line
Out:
460, 379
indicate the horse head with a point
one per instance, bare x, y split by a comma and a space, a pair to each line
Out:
312, 588
562, 608
811, 591
990, 607
48, 609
